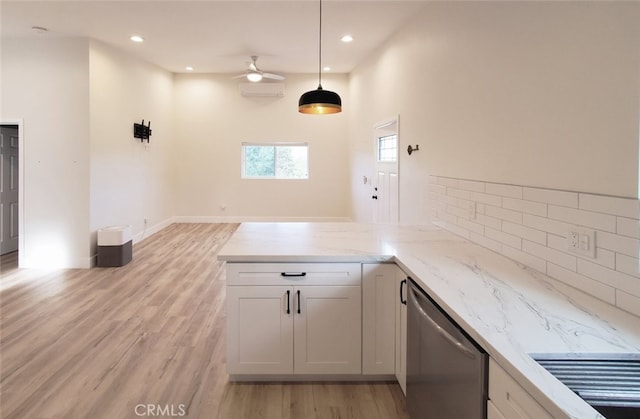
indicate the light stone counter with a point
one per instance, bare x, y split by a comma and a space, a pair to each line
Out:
510, 310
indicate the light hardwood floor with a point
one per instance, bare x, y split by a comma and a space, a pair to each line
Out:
108, 342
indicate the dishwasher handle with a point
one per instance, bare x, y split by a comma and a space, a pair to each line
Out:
413, 296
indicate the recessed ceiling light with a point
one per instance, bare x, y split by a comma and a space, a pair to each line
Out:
189, 68
346, 38
137, 38
326, 68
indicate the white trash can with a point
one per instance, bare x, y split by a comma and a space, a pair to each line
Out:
115, 246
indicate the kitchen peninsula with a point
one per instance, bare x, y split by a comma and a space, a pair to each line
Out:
510, 310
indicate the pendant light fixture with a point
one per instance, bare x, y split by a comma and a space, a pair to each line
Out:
320, 101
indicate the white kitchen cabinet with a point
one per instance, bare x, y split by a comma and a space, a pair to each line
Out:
493, 412
259, 330
294, 318
400, 297
378, 318
509, 398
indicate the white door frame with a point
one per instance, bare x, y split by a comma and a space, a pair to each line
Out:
20, 123
395, 119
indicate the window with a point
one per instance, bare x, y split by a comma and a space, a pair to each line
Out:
275, 161
388, 148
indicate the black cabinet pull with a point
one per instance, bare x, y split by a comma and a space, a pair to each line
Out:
288, 302
298, 292
402, 284
290, 274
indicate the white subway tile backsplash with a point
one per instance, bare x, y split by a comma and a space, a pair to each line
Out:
528, 233
558, 228
485, 220
551, 255
506, 238
527, 207
455, 229
450, 200
471, 226
458, 193
486, 242
503, 214
439, 189
623, 207
583, 218
590, 286
471, 185
550, 196
628, 302
447, 181
457, 211
628, 227
620, 244
603, 257
628, 265
504, 190
530, 226
618, 280
446, 217
486, 198
525, 258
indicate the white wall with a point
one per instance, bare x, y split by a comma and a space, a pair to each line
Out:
213, 119
536, 94
46, 83
130, 181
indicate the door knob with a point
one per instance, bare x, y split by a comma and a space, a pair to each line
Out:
374, 197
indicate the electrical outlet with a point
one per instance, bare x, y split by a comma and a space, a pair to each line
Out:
582, 241
472, 210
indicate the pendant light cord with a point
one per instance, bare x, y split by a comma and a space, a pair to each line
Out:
320, 50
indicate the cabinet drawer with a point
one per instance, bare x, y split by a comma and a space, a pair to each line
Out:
293, 273
510, 398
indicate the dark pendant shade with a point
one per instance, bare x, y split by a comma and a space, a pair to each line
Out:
319, 102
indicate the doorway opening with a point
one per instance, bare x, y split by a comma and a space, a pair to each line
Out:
10, 195
386, 181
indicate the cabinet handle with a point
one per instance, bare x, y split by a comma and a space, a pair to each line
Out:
288, 302
292, 274
402, 284
298, 292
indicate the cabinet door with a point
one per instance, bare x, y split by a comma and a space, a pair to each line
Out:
510, 398
493, 412
400, 299
378, 322
327, 330
259, 330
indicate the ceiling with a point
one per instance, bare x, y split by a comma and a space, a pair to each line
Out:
219, 36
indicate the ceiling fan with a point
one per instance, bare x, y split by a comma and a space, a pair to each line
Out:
254, 74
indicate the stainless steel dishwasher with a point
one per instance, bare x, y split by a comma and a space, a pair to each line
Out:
446, 369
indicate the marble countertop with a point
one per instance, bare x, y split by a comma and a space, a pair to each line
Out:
510, 310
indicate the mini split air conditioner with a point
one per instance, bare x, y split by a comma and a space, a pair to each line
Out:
262, 89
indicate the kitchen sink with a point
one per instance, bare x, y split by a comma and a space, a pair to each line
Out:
610, 383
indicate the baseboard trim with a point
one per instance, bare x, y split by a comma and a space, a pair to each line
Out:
150, 231
251, 219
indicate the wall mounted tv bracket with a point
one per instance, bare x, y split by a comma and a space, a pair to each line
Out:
141, 131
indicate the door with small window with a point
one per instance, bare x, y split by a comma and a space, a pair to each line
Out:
386, 183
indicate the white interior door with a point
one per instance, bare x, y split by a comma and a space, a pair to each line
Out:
385, 183
8, 189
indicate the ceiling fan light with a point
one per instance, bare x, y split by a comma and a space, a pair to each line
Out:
320, 102
254, 76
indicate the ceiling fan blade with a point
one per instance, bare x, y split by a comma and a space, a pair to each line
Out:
272, 76
239, 76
